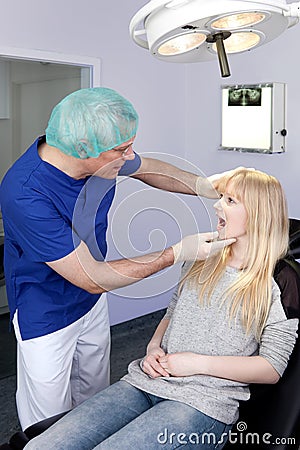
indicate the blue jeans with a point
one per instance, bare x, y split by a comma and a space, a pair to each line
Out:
125, 418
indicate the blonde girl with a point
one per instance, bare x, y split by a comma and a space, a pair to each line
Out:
225, 328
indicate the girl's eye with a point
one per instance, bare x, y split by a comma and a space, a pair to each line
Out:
220, 195
230, 200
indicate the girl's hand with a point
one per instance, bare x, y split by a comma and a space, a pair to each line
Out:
182, 364
151, 365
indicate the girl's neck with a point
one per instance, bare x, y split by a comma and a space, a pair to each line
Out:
238, 255
236, 263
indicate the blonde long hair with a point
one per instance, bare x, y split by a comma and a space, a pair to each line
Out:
267, 231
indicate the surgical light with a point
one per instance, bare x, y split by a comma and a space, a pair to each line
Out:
187, 31
238, 20
181, 44
239, 42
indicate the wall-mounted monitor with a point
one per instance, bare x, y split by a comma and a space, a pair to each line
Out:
254, 118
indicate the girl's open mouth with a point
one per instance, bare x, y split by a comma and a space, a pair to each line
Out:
221, 223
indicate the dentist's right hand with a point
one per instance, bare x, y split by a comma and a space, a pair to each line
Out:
199, 246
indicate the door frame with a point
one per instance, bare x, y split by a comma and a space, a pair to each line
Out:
92, 75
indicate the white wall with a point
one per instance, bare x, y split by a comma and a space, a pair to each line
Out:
276, 61
33, 90
5, 145
35, 97
179, 108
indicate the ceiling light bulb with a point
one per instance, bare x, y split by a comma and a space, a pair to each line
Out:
181, 44
238, 20
241, 41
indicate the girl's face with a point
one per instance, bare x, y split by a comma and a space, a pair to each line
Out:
232, 215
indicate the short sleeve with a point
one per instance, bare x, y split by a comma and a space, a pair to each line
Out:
39, 230
131, 166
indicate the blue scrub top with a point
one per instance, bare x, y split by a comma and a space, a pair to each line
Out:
46, 214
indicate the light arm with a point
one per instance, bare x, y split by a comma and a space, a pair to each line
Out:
150, 364
244, 369
165, 176
81, 269
156, 339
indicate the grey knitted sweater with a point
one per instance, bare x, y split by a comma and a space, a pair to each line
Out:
206, 329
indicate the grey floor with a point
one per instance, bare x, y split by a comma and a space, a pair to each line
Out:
129, 341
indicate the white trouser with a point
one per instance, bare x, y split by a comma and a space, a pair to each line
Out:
60, 370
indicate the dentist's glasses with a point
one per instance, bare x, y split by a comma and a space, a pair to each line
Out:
124, 151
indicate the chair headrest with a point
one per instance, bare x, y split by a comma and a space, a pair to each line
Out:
294, 250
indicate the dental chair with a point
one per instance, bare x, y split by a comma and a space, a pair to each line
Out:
271, 418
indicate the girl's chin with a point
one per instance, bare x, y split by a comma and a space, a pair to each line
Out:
222, 234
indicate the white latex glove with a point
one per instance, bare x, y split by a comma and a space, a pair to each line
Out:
208, 187
199, 246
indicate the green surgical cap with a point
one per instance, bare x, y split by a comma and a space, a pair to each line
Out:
91, 121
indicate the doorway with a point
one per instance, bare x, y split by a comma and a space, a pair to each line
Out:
30, 86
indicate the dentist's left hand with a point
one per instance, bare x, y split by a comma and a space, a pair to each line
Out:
199, 246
